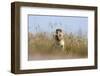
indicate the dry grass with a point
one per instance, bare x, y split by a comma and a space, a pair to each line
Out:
41, 47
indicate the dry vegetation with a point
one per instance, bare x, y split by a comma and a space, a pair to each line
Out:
41, 47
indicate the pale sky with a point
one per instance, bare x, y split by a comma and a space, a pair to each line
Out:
48, 24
